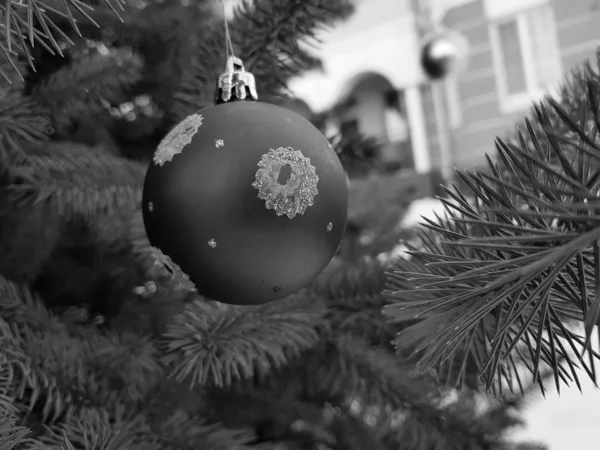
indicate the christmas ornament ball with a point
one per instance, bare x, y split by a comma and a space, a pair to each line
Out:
443, 54
248, 199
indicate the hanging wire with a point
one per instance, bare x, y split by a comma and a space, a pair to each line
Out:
428, 21
228, 43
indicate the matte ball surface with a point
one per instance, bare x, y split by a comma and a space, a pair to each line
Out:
249, 199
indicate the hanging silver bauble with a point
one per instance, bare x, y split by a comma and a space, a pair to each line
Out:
444, 53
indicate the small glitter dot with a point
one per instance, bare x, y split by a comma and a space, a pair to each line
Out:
219, 143
151, 207
212, 243
329, 226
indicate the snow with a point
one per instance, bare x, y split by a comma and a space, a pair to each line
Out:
426, 207
563, 422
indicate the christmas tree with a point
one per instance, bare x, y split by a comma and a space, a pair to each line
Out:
100, 348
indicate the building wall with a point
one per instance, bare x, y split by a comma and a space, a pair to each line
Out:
578, 31
382, 38
476, 91
370, 106
431, 126
378, 38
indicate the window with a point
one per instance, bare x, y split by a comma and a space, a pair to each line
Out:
392, 99
349, 127
526, 57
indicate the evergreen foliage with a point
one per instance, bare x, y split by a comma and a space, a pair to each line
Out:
508, 282
100, 348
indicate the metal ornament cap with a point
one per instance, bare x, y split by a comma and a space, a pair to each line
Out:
235, 83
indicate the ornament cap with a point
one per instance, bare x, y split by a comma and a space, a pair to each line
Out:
235, 83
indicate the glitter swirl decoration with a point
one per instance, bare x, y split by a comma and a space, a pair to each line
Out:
297, 194
177, 139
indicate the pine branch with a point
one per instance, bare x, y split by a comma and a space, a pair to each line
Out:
32, 23
213, 343
505, 274
270, 51
283, 27
274, 51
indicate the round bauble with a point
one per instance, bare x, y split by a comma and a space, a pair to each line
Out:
444, 54
248, 199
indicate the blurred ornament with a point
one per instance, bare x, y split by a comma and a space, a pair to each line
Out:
247, 198
444, 53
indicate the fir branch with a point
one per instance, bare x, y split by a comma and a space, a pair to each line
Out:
354, 300
140, 24
94, 429
213, 343
56, 375
89, 85
289, 419
52, 370
166, 37
350, 369
188, 432
76, 179
44, 369
11, 434
351, 285
201, 71
23, 308
22, 121
127, 363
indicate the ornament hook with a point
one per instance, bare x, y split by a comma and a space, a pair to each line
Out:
235, 83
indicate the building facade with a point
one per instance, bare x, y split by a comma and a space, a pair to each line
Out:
519, 51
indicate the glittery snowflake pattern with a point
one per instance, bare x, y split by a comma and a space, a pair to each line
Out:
298, 193
177, 139
168, 267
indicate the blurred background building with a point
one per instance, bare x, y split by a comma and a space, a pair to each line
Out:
519, 50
